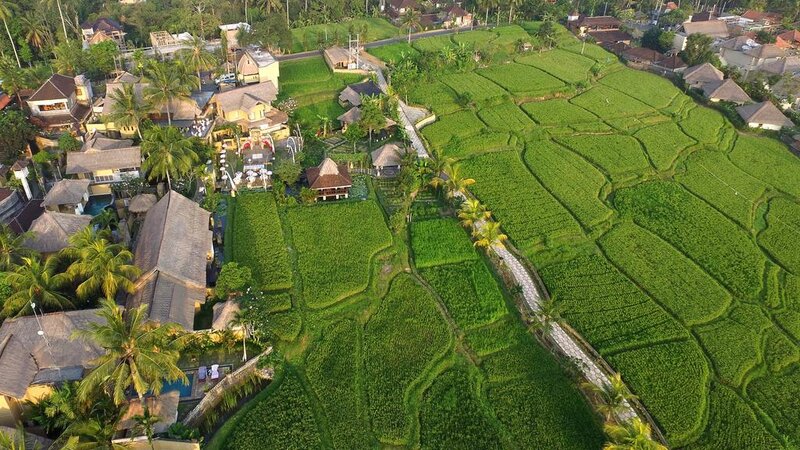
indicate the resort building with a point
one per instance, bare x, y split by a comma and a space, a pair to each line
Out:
456, 17
67, 196
258, 66
51, 231
351, 95
31, 363
746, 55
62, 103
251, 108
387, 160
173, 248
329, 180
104, 161
698, 76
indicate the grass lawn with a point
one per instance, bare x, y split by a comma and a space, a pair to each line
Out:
313, 37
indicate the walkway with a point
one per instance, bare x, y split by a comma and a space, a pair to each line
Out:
564, 341
408, 125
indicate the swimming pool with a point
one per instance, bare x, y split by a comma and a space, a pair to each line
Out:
183, 390
97, 203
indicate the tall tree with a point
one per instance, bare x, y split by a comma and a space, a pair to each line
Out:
167, 84
36, 282
7, 10
411, 21
698, 49
473, 211
69, 58
271, 5
57, 4
633, 435
372, 117
104, 267
35, 30
454, 182
139, 353
15, 133
128, 109
12, 248
198, 58
167, 154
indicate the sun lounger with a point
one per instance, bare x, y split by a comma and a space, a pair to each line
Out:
215, 371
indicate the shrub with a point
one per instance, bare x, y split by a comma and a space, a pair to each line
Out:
232, 278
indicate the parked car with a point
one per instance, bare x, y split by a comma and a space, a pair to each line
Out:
226, 78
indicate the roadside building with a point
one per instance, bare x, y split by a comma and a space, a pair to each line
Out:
351, 95
101, 30
251, 108
764, 115
258, 66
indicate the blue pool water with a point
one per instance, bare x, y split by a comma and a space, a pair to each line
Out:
97, 203
184, 390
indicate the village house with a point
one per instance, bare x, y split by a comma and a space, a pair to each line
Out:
789, 65
52, 230
104, 161
671, 64
788, 39
787, 91
101, 30
396, 8
62, 103
715, 29
329, 180
763, 19
67, 196
746, 55
167, 44
698, 76
32, 363
725, 91
340, 59
582, 24
642, 55
764, 115
349, 117
352, 94
387, 160
456, 17
258, 66
173, 248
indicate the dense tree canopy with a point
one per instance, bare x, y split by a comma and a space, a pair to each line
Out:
15, 133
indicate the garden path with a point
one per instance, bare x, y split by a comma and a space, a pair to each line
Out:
411, 132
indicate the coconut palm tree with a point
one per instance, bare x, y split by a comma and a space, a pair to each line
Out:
197, 57
128, 109
35, 282
549, 314
633, 435
104, 267
139, 353
168, 154
91, 434
613, 395
411, 21
57, 411
454, 182
36, 32
489, 235
7, 10
12, 247
57, 4
471, 212
166, 84
270, 5
106, 220
14, 79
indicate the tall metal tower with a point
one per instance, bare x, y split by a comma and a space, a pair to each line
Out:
353, 54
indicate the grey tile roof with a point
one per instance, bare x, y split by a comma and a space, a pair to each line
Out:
702, 73
726, 90
51, 231
171, 251
764, 113
66, 192
246, 97
102, 153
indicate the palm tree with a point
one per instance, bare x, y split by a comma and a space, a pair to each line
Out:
198, 58
271, 5
57, 4
410, 20
57, 411
17, 441
614, 396
92, 434
36, 32
12, 247
139, 353
105, 267
511, 5
106, 220
549, 314
14, 78
453, 181
473, 211
7, 9
35, 282
436, 165
633, 435
242, 321
166, 85
489, 235
128, 110
168, 154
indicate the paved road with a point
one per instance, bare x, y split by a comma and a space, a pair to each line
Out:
382, 42
411, 131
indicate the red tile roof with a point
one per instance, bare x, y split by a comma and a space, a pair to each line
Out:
328, 175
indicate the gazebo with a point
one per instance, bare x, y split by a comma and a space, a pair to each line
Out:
388, 158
